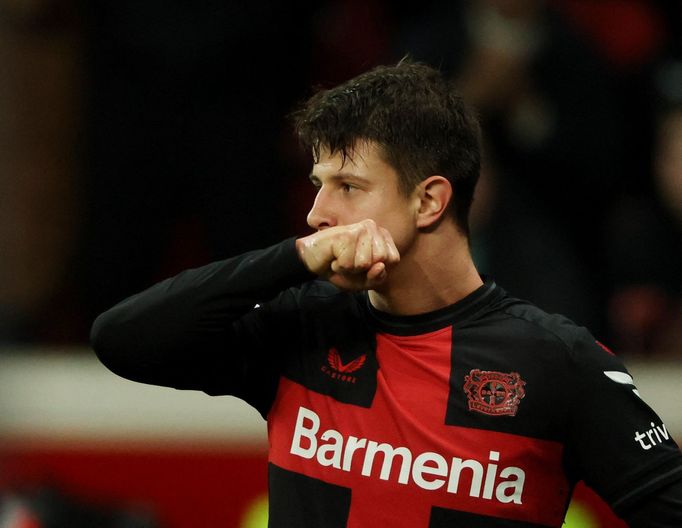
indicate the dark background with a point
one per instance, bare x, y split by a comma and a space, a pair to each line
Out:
141, 138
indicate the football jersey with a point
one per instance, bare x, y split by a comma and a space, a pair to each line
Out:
481, 414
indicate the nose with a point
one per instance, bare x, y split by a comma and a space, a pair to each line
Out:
320, 215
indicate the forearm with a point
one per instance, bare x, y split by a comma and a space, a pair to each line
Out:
171, 332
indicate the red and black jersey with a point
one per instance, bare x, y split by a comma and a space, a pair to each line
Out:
482, 414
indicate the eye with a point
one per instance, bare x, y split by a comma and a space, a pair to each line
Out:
347, 187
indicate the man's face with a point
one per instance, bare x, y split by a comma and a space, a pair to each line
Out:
365, 187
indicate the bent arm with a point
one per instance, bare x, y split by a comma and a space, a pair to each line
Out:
179, 331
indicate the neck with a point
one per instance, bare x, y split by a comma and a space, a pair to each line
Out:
435, 272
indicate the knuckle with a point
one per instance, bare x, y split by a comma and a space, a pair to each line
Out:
362, 262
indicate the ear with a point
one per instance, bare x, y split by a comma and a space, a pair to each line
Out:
434, 197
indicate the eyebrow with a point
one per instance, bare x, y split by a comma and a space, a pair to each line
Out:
339, 176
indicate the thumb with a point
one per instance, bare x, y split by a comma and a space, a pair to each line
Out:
377, 273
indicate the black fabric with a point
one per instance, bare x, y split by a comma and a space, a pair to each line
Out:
444, 518
177, 333
332, 319
659, 510
304, 502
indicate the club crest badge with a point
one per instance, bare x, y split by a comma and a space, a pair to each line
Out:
494, 393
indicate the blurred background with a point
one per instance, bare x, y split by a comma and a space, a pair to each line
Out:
141, 138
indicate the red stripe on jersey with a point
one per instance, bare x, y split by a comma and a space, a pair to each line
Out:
603, 346
399, 458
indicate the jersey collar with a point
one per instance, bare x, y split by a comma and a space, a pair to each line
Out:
458, 312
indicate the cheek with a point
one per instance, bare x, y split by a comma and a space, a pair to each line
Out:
404, 240
396, 215
402, 229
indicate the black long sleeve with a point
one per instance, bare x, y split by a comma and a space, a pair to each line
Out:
660, 510
179, 331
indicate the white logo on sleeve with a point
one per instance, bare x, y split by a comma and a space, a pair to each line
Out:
655, 435
623, 378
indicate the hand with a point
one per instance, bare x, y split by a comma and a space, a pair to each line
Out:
352, 257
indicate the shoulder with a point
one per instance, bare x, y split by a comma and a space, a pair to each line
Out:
555, 332
550, 326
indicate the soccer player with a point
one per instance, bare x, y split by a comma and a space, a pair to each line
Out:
400, 387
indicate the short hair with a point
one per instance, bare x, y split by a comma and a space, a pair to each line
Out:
410, 110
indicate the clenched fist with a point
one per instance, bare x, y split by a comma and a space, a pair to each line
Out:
352, 257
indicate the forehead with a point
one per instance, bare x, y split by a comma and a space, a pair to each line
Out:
364, 158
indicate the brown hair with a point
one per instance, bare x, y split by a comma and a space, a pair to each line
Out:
422, 126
